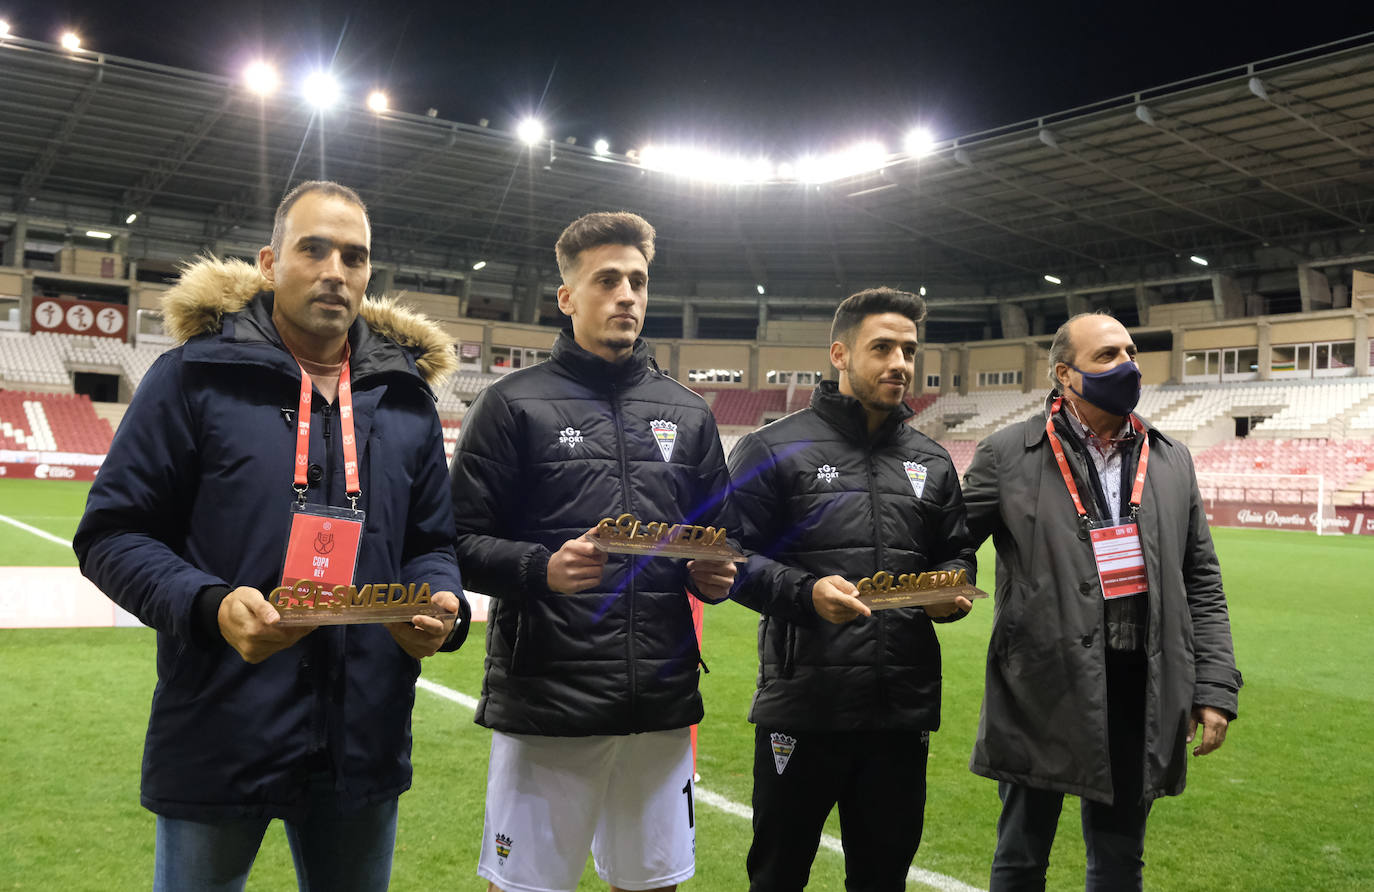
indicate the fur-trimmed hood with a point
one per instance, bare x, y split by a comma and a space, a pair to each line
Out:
210, 288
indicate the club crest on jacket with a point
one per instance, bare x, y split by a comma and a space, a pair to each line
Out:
665, 435
916, 473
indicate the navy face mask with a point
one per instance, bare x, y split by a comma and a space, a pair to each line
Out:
1115, 391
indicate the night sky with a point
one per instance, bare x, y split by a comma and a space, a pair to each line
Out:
780, 79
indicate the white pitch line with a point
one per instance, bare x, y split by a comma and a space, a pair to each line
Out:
36, 531
731, 807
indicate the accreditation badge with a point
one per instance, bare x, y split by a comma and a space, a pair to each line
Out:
322, 546
1120, 559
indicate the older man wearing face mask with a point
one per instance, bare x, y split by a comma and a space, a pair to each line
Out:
1111, 642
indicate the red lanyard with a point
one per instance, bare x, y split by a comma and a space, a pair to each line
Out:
350, 446
1136, 491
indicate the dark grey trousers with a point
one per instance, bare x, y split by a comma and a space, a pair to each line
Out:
1114, 834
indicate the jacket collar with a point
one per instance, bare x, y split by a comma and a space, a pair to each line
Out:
846, 414
1035, 425
596, 372
214, 295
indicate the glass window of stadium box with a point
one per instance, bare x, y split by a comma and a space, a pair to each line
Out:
508, 359
148, 327
1201, 365
1291, 361
715, 376
1335, 359
809, 379
9, 313
932, 380
1240, 364
999, 379
470, 356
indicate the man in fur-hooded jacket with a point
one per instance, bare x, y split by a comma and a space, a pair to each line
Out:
187, 525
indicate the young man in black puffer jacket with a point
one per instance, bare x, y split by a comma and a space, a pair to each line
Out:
846, 698
591, 672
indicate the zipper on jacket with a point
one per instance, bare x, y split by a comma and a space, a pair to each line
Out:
878, 558
320, 732
629, 575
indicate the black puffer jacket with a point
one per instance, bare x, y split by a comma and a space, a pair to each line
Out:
817, 497
545, 453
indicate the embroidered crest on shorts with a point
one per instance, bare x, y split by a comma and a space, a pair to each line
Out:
782, 749
827, 473
665, 435
502, 847
570, 437
916, 473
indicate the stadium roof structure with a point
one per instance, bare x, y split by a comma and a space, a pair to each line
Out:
1255, 169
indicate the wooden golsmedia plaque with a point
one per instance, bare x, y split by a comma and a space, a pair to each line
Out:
626, 534
307, 603
884, 590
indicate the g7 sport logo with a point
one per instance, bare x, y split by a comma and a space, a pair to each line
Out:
570, 437
827, 473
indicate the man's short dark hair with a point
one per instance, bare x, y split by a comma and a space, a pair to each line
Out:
324, 187
603, 228
853, 310
1062, 349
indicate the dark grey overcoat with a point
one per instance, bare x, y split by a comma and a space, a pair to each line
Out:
1044, 716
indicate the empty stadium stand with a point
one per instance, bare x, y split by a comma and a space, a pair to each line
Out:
44, 359
1287, 408
745, 408
48, 422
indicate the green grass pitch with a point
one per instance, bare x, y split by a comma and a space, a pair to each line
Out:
1287, 803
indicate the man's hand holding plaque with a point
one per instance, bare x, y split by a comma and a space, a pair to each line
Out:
712, 579
836, 600
253, 627
423, 635
627, 534
577, 566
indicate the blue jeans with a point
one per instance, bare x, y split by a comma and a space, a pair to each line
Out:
332, 851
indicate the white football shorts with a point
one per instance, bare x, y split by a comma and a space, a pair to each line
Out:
626, 798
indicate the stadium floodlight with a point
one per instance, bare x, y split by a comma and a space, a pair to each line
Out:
131, 218
71, 41
760, 288
96, 233
530, 131
321, 89
260, 78
1200, 261
1053, 280
601, 147
376, 100
481, 264
919, 142
4, 28
703, 164
858, 158
923, 291
787, 171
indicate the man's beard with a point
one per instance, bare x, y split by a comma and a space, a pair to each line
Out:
871, 395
